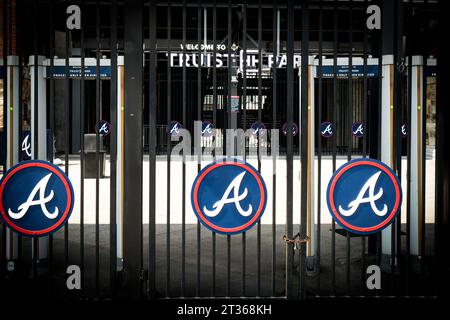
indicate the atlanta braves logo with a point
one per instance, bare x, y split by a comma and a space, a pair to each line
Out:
173, 128
358, 129
404, 130
364, 196
207, 129
228, 196
368, 186
284, 128
42, 201
233, 186
326, 129
26, 145
36, 198
258, 129
103, 127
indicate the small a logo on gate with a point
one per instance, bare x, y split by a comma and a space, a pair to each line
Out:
358, 129
208, 129
26, 146
173, 128
364, 196
36, 198
103, 127
229, 196
326, 129
404, 130
284, 128
258, 129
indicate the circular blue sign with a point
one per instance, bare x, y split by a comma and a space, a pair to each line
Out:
284, 128
36, 198
173, 128
229, 196
208, 129
258, 128
326, 129
103, 127
364, 196
358, 129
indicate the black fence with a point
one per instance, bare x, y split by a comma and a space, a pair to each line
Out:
180, 259
343, 131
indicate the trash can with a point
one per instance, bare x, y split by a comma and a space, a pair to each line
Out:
90, 167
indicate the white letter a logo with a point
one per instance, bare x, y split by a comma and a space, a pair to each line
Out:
40, 186
369, 185
234, 186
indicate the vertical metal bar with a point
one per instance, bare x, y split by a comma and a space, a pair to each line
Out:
395, 162
397, 150
152, 151
272, 151
150, 132
408, 174
422, 168
409, 54
213, 273
229, 126
183, 214
379, 106
319, 145
199, 118
304, 134
133, 79
244, 127
350, 116
335, 136
393, 232
52, 128
169, 106
289, 144
68, 118
3, 247
113, 150
97, 149
35, 242
19, 151
422, 247
366, 139
258, 274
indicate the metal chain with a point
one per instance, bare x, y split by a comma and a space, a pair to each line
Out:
296, 239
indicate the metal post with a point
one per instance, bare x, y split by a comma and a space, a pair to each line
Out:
152, 150
417, 161
113, 153
305, 161
387, 138
132, 197
39, 127
289, 144
319, 147
120, 160
310, 149
12, 142
387, 115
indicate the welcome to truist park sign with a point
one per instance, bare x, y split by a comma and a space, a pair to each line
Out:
191, 57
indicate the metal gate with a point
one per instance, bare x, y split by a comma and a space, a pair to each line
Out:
146, 65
